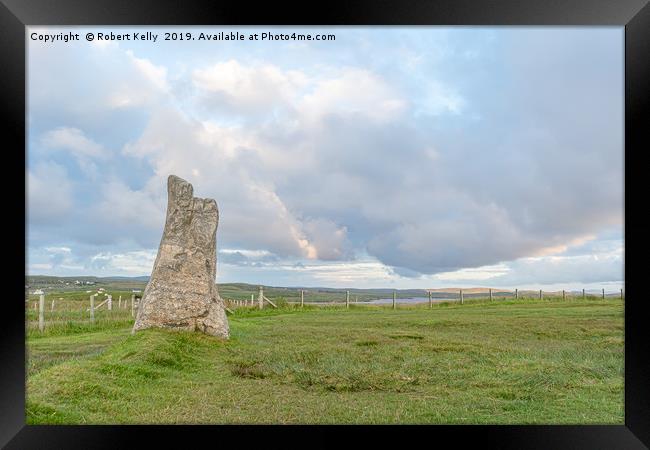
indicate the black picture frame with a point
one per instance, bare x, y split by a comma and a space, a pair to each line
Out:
634, 15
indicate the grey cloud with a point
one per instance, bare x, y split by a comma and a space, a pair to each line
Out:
240, 259
584, 269
49, 194
533, 160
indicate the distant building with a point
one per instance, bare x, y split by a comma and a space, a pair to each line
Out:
38, 292
136, 291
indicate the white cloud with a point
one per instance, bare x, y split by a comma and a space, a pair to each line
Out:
353, 274
328, 239
247, 253
66, 250
304, 98
249, 87
141, 83
134, 263
474, 274
49, 193
353, 91
231, 173
121, 209
156, 75
74, 141
418, 165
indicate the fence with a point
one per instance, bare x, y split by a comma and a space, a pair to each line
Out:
66, 311
60, 310
460, 296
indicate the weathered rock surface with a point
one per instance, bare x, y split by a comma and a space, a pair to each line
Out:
181, 293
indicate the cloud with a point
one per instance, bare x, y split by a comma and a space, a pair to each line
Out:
138, 214
49, 193
59, 250
582, 263
565, 269
296, 95
248, 88
342, 94
444, 165
73, 141
244, 257
328, 239
156, 75
379, 185
141, 83
229, 170
132, 263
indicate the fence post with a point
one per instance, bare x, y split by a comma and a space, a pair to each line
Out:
92, 309
41, 313
302, 298
621, 293
52, 309
461, 296
516, 294
110, 303
347, 299
132, 302
563, 295
490, 294
430, 302
583, 294
540, 294
394, 297
260, 299
603, 293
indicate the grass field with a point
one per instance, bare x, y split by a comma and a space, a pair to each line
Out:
526, 361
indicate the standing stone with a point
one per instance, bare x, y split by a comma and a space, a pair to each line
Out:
182, 293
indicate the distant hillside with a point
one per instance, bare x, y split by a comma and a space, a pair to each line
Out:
242, 291
144, 278
238, 291
83, 282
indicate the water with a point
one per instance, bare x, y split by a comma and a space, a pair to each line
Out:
383, 301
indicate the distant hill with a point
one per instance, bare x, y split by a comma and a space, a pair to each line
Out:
65, 284
144, 278
34, 279
241, 291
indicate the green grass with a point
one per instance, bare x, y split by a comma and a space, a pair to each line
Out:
542, 362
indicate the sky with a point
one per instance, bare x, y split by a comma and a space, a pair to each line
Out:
397, 157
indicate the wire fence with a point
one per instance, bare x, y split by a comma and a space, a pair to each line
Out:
432, 298
48, 311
